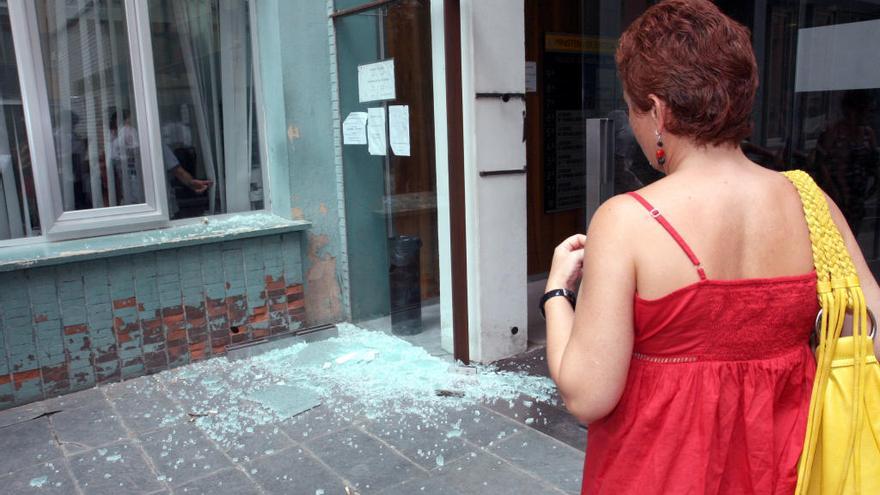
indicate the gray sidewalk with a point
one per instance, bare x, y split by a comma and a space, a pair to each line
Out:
216, 427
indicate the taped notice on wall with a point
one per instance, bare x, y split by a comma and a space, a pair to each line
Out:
376, 81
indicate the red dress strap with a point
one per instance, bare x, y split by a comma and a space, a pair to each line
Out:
674, 233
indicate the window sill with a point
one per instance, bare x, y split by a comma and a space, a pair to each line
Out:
204, 231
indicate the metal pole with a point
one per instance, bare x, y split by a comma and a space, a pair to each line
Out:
389, 184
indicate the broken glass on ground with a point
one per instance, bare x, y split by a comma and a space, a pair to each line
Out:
360, 374
287, 400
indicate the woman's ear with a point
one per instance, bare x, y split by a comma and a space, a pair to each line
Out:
658, 112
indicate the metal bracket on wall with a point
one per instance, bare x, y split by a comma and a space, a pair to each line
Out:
361, 8
505, 97
515, 171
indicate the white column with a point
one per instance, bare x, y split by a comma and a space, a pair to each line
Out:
441, 160
493, 61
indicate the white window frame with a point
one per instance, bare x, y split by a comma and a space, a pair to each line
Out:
55, 223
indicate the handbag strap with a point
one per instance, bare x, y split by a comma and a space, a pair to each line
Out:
838, 289
834, 266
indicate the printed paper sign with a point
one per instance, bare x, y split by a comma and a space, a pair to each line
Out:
531, 77
354, 128
376, 81
398, 129
376, 131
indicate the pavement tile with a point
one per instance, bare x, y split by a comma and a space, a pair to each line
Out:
141, 383
50, 478
549, 459
195, 389
88, 426
114, 469
363, 460
25, 444
256, 442
429, 486
525, 409
428, 444
182, 453
144, 406
483, 473
533, 362
75, 400
483, 427
544, 417
293, 472
563, 427
315, 423
227, 481
21, 413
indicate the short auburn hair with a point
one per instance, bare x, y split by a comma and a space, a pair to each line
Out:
699, 62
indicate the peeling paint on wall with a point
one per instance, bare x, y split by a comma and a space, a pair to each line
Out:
323, 296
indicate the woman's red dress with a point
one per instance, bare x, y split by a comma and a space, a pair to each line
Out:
718, 390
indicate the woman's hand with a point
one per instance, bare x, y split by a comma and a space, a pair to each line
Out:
568, 263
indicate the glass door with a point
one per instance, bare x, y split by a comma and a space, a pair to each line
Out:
388, 151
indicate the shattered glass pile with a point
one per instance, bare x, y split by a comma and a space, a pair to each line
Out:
359, 374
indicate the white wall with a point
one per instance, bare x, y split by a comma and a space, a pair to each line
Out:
493, 55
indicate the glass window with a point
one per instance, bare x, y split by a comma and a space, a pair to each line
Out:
207, 105
91, 102
18, 202
127, 102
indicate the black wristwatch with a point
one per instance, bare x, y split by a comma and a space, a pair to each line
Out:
553, 293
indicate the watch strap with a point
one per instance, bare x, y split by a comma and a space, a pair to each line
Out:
555, 293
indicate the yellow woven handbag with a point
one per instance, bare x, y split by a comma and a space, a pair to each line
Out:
842, 443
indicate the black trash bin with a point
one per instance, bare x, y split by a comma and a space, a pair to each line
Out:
403, 273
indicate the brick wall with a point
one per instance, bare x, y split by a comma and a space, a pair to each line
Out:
72, 326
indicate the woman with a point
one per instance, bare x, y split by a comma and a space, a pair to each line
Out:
688, 354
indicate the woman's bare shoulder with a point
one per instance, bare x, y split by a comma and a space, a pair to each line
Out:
616, 211
617, 224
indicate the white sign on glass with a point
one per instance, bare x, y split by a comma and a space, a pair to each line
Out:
398, 129
377, 142
354, 128
838, 57
376, 81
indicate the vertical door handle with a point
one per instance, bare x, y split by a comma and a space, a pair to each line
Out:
599, 163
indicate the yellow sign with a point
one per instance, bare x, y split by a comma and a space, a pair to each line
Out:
573, 43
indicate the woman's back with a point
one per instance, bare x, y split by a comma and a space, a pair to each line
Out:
743, 222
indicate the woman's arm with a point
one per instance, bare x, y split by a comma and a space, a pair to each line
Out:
589, 351
866, 278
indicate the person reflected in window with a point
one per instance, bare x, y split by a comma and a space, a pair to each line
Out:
632, 169
126, 161
847, 157
76, 158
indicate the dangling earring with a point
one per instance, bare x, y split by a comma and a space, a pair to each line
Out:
661, 153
